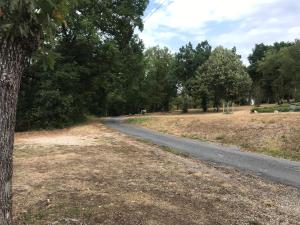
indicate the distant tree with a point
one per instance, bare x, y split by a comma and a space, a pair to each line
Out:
187, 61
262, 89
160, 85
258, 54
222, 77
290, 70
124, 85
200, 90
280, 71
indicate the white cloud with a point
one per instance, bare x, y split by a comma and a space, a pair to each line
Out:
255, 21
192, 14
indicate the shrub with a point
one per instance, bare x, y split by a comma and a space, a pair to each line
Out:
283, 109
271, 109
263, 110
297, 109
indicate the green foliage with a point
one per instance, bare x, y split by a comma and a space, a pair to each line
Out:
138, 120
47, 100
160, 84
96, 65
98, 68
222, 77
275, 72
279, 108
187, 61
27, 21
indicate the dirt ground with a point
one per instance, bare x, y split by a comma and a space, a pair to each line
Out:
273, 134
90, 174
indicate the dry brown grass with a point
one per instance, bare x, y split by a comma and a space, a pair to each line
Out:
274, 134
92, 175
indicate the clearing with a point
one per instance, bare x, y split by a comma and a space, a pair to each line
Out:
273, 134
89, 174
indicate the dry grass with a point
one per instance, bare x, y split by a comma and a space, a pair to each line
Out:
274, 134
92, 175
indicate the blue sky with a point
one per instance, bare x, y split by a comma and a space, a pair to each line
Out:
240, 23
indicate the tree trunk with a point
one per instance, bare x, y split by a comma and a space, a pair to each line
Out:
12, 61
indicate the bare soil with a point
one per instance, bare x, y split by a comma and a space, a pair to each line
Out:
273, 134
90, 174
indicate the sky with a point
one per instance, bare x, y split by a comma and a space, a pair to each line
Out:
239, 23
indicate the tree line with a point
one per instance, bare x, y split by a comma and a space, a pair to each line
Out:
275, 71
113, 76
96, 65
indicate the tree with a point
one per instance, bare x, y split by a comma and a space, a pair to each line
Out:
101, 62
187, 61
290, 68
160, 85
280, 71
22, 27
27, 24
262, 89
222, 77
258, 54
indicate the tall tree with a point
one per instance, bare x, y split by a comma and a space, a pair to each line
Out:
160, 85
290, 68
223, 77
187, 61
258, 53
24, 26
280, 71
262, 89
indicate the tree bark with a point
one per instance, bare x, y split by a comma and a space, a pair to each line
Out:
12, 63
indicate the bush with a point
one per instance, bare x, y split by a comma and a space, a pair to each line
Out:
297, 97
284, 109
296, 104
271, 109
294, 107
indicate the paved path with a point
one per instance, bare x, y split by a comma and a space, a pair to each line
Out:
279, 170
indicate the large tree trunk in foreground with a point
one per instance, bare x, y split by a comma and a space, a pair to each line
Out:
12, 61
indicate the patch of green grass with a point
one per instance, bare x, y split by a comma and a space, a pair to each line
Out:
193, 136
296, 103
254, 222
163, 131
271, 109
175, 151
281, 153
246, 146
220, 137
286, 107
137, 120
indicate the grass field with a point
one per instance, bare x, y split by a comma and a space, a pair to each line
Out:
273, 134
89, 174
